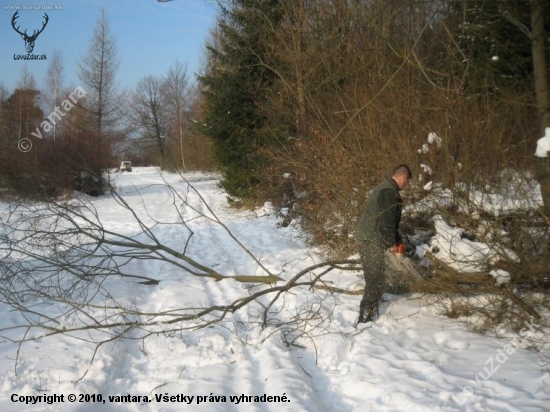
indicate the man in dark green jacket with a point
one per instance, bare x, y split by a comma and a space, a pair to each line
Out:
378, 231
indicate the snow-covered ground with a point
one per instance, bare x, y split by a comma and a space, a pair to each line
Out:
410, 359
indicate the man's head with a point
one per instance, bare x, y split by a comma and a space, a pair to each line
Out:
401, 174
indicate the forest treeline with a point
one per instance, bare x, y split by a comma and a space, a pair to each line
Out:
58, 138
306, 103
312, 102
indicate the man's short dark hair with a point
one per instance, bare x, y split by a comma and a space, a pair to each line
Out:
401, 170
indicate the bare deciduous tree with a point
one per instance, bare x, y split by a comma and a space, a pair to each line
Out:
150, 114
26, 79
98, 73
54, 85
4, 93
176, 90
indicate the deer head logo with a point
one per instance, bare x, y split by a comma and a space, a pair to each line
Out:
29, 40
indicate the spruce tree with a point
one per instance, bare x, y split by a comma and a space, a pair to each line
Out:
497, 39
236, 86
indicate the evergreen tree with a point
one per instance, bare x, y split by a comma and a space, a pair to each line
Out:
496, 36
236, 86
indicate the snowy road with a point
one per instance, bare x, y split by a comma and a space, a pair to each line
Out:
411, 359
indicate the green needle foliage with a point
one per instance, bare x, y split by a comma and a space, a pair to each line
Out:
235, 85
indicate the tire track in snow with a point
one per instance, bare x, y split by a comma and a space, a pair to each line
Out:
214, 360
259, 369
118, 364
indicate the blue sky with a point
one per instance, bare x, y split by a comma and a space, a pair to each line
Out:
151, 36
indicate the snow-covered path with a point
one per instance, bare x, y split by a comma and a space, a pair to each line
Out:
410, 359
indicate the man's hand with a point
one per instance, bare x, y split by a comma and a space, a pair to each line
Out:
399, 248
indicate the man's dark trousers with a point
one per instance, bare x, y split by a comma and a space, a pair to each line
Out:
372, 260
